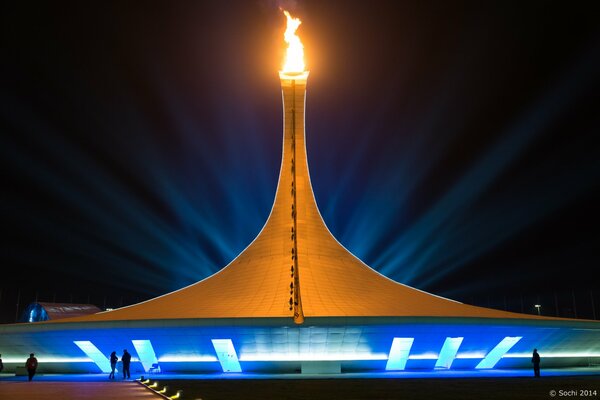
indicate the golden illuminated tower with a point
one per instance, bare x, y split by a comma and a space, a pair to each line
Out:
296, 300
295, 267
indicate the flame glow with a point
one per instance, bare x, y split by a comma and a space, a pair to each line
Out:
294, 58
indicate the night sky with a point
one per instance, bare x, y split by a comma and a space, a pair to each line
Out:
452, 145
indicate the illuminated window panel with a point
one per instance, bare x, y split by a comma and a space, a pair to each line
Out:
497, 352
96, 355
145, 353
448, 352
227, 355
399, 354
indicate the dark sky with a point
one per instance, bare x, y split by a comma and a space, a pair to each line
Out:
451, 144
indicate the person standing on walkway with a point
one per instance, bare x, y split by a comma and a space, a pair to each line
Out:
1, 365
536, 363
113, 364
31, 365
126, 358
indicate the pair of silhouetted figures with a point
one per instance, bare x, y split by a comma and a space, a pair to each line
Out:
125, 359
536, 363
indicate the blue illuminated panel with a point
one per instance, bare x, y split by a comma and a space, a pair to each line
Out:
145, 353
448, 352
96, 355
399, 354
497, 352
227, 355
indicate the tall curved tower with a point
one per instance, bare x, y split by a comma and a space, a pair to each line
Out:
295, 268
296, 299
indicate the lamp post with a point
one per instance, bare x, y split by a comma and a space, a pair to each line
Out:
538, 307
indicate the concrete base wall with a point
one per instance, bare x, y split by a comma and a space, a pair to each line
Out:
321, 367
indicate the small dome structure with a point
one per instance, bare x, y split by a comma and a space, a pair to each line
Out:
36, 312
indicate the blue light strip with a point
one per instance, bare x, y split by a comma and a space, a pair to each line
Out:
335, 357
227, 355
448, 352
96, 355
399, 354
145, 353
497, 352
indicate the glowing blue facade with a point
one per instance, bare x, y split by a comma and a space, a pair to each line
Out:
277, 346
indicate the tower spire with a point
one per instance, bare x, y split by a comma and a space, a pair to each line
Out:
295, 267
293, 86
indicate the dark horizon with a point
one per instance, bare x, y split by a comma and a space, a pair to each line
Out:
452, 147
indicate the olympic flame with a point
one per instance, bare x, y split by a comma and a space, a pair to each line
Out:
294, 57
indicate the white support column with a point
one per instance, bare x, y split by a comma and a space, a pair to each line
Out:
492, 358
227, 355
448, 352
399, 354
96, 355
145, 353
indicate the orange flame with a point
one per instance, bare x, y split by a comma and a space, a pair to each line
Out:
294, 58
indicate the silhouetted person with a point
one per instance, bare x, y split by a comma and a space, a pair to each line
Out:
113, 364
536, 363
1, 365
31, 365
126, 358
